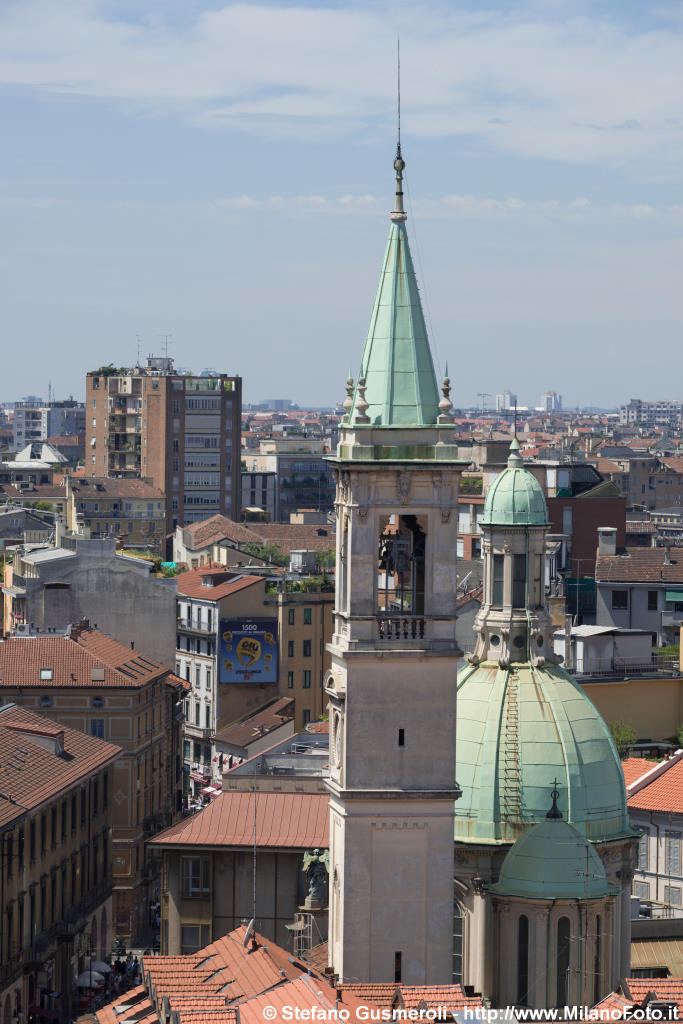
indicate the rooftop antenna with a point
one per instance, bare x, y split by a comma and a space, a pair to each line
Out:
139, 343
165, 344
50, 393
515, 420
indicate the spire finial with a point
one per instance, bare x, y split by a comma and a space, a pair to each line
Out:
445, 405
398, 214
555, 814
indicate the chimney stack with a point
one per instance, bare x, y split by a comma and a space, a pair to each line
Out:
607, 540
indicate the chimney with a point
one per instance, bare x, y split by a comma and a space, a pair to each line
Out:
667, 554
607, 540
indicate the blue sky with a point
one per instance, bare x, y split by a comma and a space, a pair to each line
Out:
223, 173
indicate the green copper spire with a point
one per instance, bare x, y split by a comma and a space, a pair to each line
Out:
397, 368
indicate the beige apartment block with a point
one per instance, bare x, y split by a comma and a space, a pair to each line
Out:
86, 681
56, 807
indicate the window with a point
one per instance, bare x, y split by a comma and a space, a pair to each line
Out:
195, 877
619, 600
198, 676
562, 961
290, 680
401, 737
519, 595
306, 717
597, 986
308, 616
652, 600
673, 853
32, 842
456, 976
189, 938
291, 616
306, 679
290, 648
397, 966
672, 895
643, 852
523, 960
498, 573
46, 674
307, 648
207, 716
97, 727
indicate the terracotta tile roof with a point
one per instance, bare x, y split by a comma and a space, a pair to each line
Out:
638, 526
634, 767
224, 583
640, 565
289, 820
217, 528
318, 727
295, 537
318, 957
72, 659
111, 487
241, 734
664, 793
378, 993
663, 989
33, 771
306, 993
411, 997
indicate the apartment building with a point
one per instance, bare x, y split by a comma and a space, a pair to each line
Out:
660, 413
35, 420
133, 511
240, 644
86, 681
56, 804
48, 585
179, 432
303, 479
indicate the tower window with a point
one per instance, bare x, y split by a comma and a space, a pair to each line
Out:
498, 576
523, 960
401, 738
562, 961
519, 594
397, 966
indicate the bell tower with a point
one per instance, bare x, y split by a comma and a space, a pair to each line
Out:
392, 683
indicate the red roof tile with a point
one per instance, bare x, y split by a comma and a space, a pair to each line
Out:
289, 820
217, 528
72, 659
664, 793
640, 565
112, 487
634, 767
221, 582
33, 771
259, 724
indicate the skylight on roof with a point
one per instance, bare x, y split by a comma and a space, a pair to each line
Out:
46, 674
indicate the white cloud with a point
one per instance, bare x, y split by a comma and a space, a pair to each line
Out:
537, 81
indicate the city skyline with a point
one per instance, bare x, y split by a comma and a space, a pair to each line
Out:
224, 175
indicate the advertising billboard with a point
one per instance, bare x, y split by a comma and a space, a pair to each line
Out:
248, 651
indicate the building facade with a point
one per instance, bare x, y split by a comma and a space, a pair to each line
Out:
132, 511
35, 420
179, 432
83, 680
56, 845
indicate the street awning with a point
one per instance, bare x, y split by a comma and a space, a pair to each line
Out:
197, 776
674, 595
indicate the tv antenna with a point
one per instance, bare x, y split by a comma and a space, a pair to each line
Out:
164, 345
483, 395
139, 343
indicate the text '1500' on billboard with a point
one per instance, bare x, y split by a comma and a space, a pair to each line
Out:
248, 651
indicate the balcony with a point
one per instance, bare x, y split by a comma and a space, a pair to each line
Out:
618, 668
192, 626
400, 627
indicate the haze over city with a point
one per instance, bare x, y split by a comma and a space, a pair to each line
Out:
222, 173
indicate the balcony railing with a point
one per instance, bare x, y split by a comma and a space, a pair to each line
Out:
400, 627
194, 626
658, 663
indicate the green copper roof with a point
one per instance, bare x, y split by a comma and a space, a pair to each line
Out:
552, 861
397, 365
515, 498
519, 730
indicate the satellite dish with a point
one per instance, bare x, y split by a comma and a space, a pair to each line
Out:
249, 932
